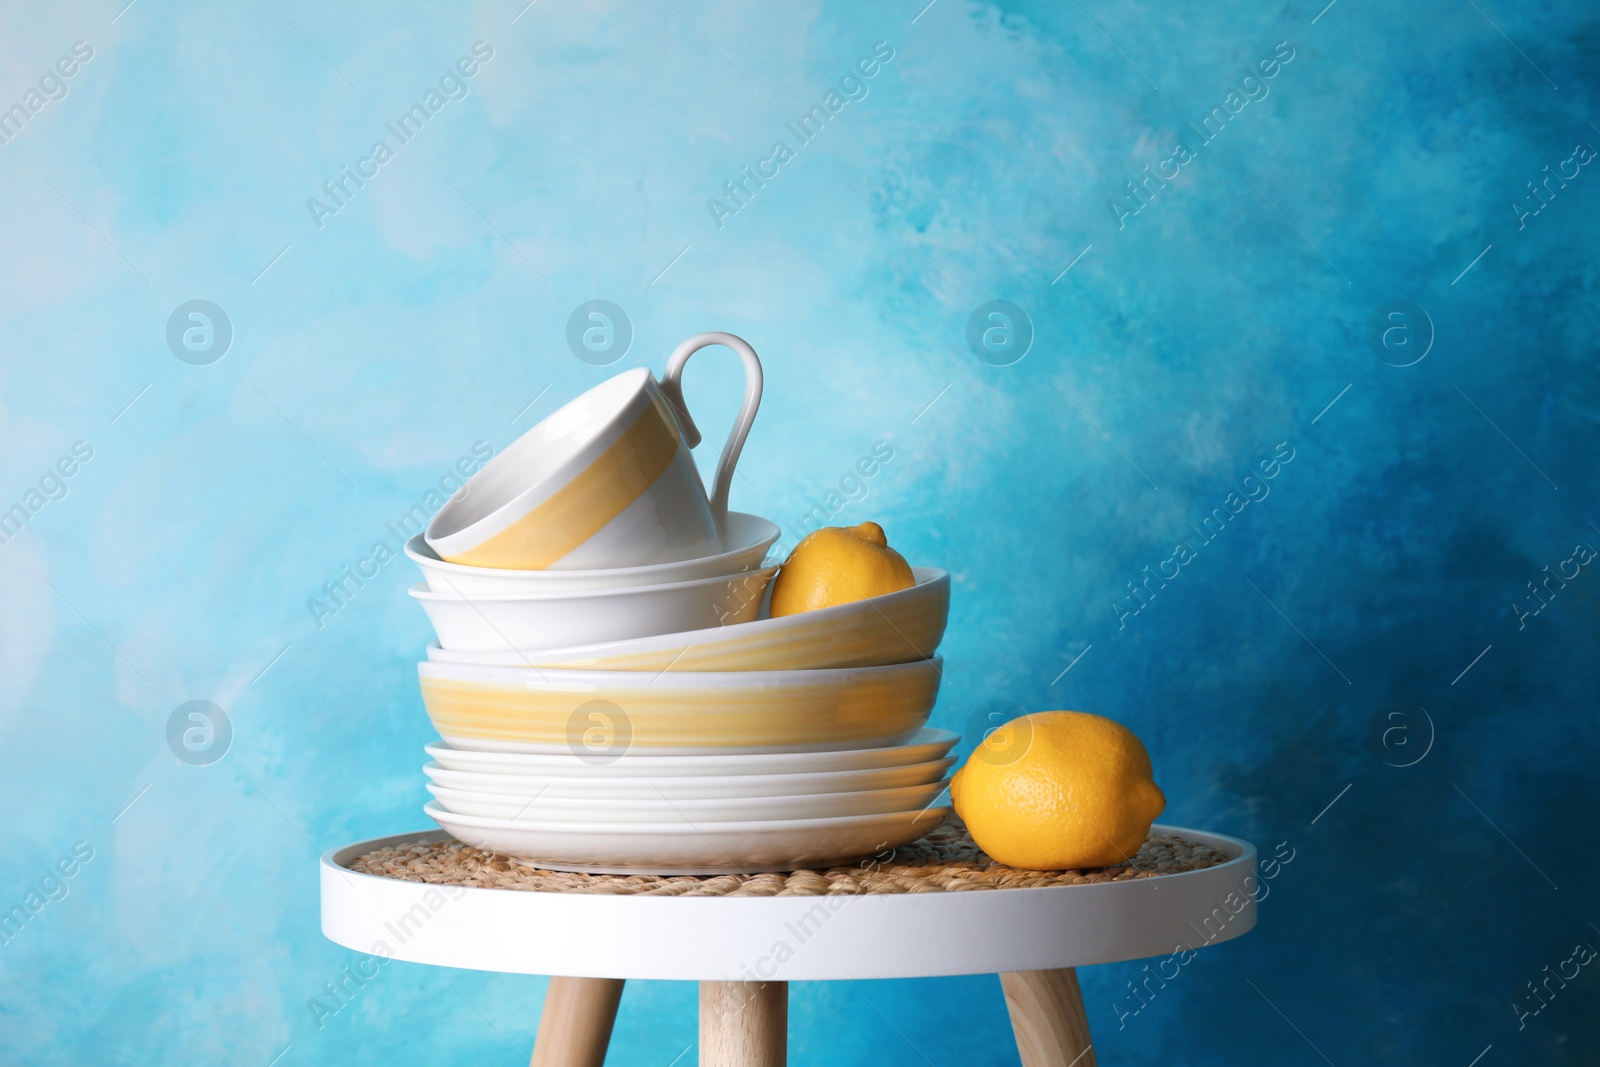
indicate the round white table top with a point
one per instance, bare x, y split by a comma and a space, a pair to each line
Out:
787, 938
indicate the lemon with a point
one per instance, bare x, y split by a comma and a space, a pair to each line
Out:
1058, 790
837, 565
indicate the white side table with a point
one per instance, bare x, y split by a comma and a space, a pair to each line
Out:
745, 950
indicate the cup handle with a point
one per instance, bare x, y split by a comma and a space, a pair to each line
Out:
672, 389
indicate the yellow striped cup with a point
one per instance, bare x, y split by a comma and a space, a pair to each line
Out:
606, 481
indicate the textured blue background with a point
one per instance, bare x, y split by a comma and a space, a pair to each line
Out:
1314, 646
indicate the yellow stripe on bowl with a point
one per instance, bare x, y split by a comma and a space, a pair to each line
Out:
899, 627
857, 709
901, 634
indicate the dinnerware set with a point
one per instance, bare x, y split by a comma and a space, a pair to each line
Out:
610, 693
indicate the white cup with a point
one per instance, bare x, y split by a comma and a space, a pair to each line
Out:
606, 481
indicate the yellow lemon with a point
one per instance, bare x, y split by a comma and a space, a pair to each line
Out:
1058, 790
836, 565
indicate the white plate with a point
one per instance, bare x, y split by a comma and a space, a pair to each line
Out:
927, 744
893, 628
706, 848
749, 537
660, 809
498, 622
604, 715
690, 787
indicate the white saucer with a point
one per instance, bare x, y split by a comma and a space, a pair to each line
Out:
705, 848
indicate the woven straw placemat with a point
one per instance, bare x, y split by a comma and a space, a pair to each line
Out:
944, 861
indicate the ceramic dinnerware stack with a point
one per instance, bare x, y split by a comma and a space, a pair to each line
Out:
610, 693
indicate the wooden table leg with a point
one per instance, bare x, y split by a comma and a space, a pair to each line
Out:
744, 1024
1047, 1018
576, 1025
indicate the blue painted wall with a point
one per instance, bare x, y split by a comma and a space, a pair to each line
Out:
1357, 666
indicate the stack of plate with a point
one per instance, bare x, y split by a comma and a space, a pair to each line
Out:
712, 814
654, 719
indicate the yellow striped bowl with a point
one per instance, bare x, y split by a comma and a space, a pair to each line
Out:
600, 716
893, 628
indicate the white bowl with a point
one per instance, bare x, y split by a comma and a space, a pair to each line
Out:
483, 622
893, 628
705, 848
926, 745
689, 786
603, 715
538, 809
748, 538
